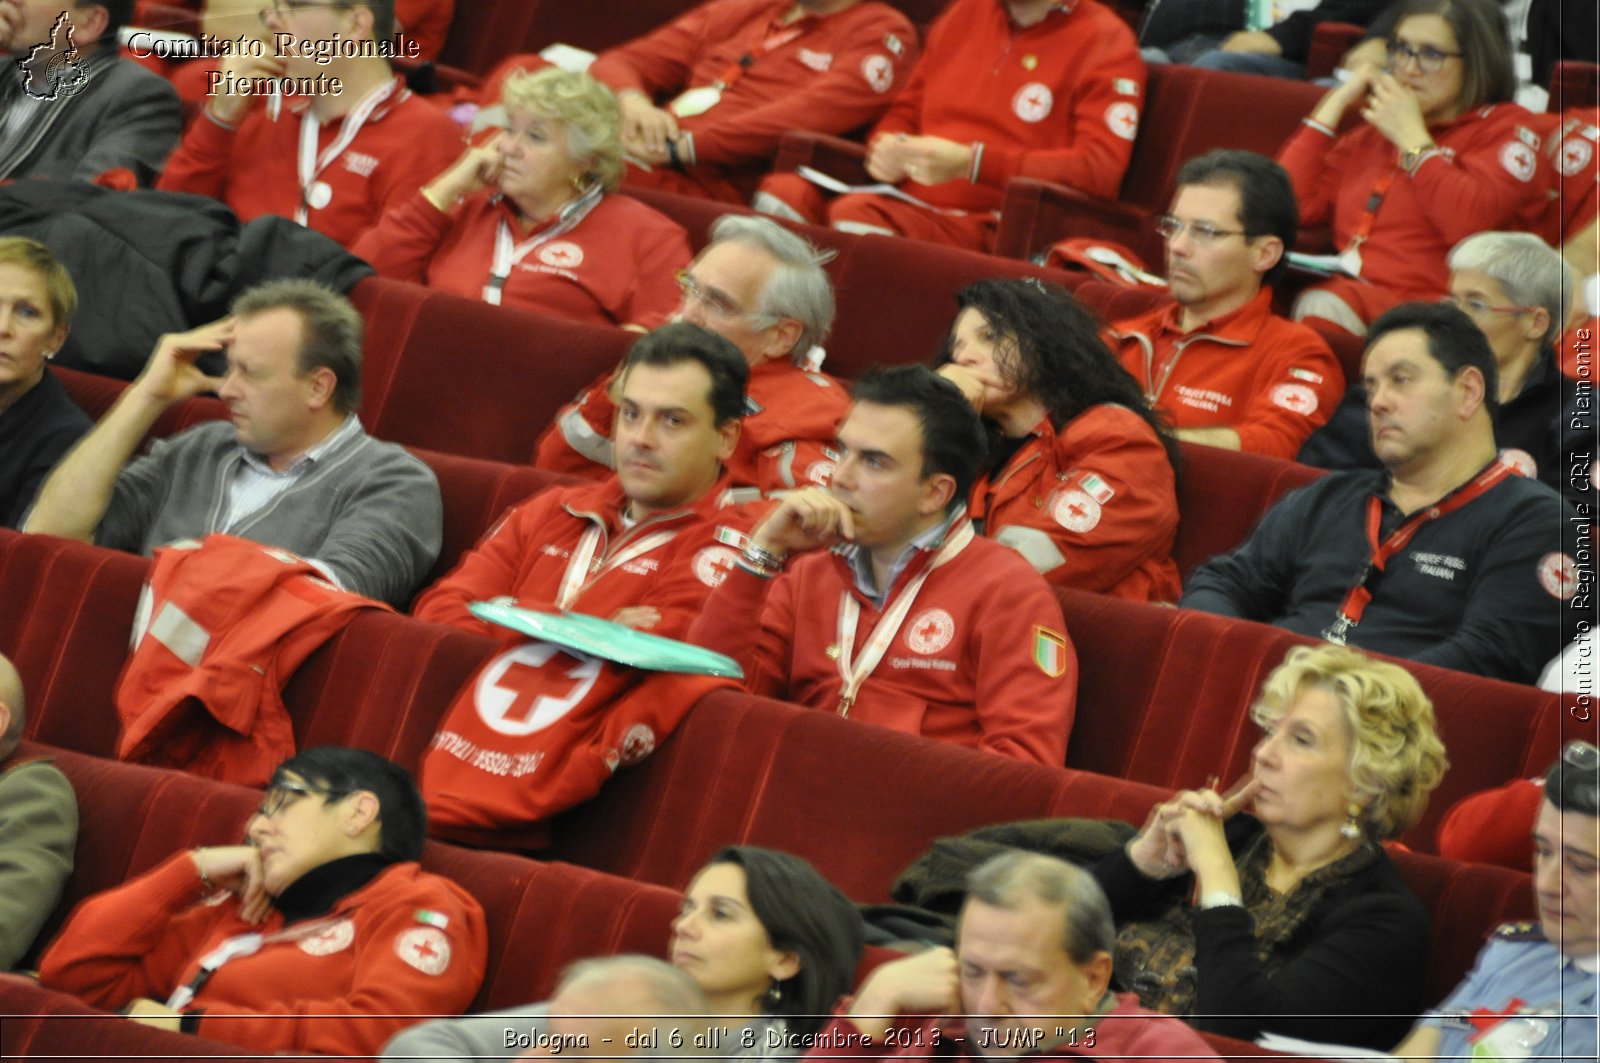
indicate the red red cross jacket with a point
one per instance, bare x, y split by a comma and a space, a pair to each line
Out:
784, 442
982, 658
1093, 505
407, 943
224, 622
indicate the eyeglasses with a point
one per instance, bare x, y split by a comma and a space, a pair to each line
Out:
717, 304
280, 795
279, 9
1477, 307
1203, 232
1428, 58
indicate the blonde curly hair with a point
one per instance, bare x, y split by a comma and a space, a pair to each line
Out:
1396, 757
586, 109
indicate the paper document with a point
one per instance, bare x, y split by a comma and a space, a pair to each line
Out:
833, 184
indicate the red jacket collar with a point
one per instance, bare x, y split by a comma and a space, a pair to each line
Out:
1239, 326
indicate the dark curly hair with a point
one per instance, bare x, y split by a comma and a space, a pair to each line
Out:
1048, 346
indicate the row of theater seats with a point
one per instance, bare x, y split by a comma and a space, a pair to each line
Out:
738, 770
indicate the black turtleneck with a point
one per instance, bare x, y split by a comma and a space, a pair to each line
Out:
318, 890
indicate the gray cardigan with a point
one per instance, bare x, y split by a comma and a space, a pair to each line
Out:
368, 510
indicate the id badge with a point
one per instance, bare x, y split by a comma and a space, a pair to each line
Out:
1350, 261
696, 101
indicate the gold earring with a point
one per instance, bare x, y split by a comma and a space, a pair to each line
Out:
1352, 822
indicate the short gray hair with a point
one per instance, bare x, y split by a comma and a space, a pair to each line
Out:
331, 331
1005, 881
1530, 270
799, 287
665, 989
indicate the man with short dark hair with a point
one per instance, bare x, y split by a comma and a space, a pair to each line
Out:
327, 135
643, 546
1222, 367
761, 287
71, 108
1535, 987
295, 469
1029, 978
38, 829
1446, 556
898, 614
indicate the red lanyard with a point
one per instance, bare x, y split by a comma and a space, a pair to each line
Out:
776, 37
1370, 213
1355, 602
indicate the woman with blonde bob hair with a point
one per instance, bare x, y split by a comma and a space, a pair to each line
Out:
528, 216
1291, 919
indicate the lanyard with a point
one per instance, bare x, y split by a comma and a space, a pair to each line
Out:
1355, 602
585, 568
507, 252
774, 37
315, 194
1350, 257
236, 947
888, 626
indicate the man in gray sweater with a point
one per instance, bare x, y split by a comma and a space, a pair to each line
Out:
295, 469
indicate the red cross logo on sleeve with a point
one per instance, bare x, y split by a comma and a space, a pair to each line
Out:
425, 948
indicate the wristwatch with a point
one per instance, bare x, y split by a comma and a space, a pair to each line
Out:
1411, 159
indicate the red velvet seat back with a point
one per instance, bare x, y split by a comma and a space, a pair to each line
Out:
1222, 496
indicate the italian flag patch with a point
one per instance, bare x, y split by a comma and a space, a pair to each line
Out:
434, 919
1050, 651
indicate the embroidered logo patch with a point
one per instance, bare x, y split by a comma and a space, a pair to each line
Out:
818, 61
328, 940
517, 695
712, 564
1296, 398
638, 743
1076, 511
424, 948
879, 72
820, 473
1576, 154
1050, 651
1033, 102
1521, 462
931, 631
1558, 575
1122, 118
1518, 160
561, 254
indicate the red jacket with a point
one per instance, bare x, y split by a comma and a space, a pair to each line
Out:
1572, 142
1058, 101
1272, 380
407, 943
1093, 505
1486, 176
834, 74
254, 169
617, 266
527, 554
982, 659
784, 442
224, 624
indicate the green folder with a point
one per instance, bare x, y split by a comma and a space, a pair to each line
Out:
594, 637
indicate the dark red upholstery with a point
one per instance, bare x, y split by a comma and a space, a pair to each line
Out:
541, 915
1188, 111
1164, 696
1222, 496
43, 1023
1329, 42
1573, 83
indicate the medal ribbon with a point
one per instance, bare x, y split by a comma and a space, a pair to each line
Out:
311, 164
888, 626
1355, 602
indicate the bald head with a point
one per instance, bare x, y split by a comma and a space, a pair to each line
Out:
12, 709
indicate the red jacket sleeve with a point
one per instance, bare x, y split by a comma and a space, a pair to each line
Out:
749, 618
490, 569
1136, 521
1277, 420
433, 143
403, 242
658, 62
653, 295
134, 941
1103, 119
1314, 165
838, 101
200, 163
1477, 191
578, 441
1023, 712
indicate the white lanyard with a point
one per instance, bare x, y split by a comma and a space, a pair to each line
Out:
234, 948
315, 194
888, 625
584, 567
507, 252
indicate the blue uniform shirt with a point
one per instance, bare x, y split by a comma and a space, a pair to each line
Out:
1557, 1016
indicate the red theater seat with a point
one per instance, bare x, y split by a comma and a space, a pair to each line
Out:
1222, 496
